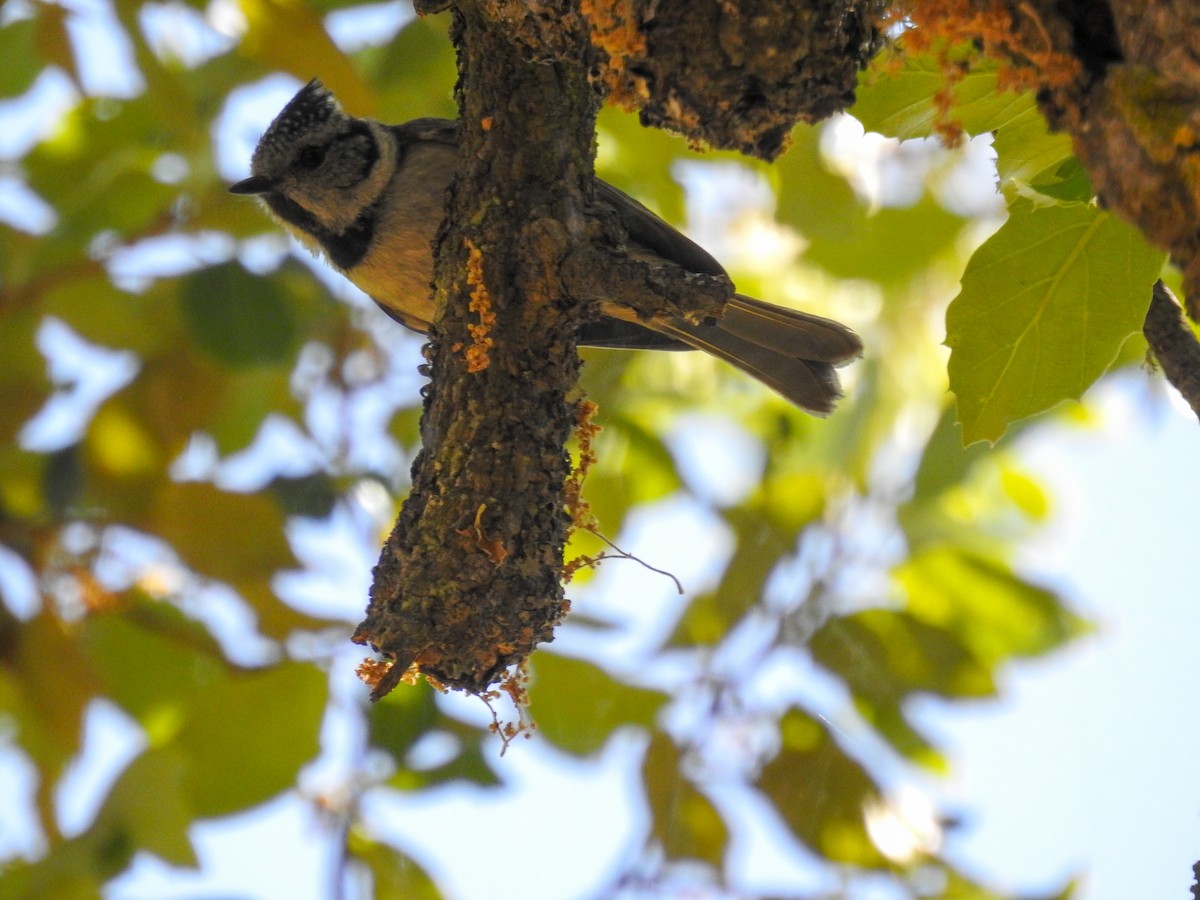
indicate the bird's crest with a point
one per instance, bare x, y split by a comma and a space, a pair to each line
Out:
309, 112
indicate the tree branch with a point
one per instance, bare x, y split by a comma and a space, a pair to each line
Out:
1174, 344
469, 583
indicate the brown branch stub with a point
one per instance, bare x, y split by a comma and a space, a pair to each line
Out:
1174, 344
736, 74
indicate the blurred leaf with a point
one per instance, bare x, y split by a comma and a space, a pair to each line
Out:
996, 613
884, 656
62, 481
821, 792
683, 820
102, 149
24, 386
53, 41
422, 50
52, 684
146, 810
220, 534
239, 318
121, 446
394, 874
1045, 305
246, 737
578, 705
249, 398
1026, 493
21, 500
640, 161
760, 542
312, 496
275, 618
401, 719
152, 637
291, 37
626, 448
469, 762
104, 314
925, 231
946, 460
49, 685
72, 870
885, 652
816, 201
22, 62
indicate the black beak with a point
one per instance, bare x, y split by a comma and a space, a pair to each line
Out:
255, 184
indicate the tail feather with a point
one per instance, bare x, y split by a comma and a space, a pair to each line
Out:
790, 332
792, 352
810, 384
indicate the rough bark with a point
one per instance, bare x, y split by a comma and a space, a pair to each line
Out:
469, 581
736, 75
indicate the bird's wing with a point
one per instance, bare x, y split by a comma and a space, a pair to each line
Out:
649, 231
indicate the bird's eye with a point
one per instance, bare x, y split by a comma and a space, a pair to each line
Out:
310, 157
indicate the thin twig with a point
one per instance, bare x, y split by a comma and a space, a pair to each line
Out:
622, 554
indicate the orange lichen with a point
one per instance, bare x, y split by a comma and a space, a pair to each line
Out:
616, 33
585, 433
478, 354
474, 536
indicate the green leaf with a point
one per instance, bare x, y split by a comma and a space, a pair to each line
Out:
639, 161
578, 705
394, 874
146, 809
821, 792
422, 51
47, 684
1026, 150
760, 544
402, 718
885, 656
996, 613
626, 446
239, 318
891, 246
24, 385
221, 534
683, 821
817, 202
292, 38
150, 636
1045, 305
883, 652
19, 50
246, 737
902, 105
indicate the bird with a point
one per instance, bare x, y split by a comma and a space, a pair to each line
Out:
370, 198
